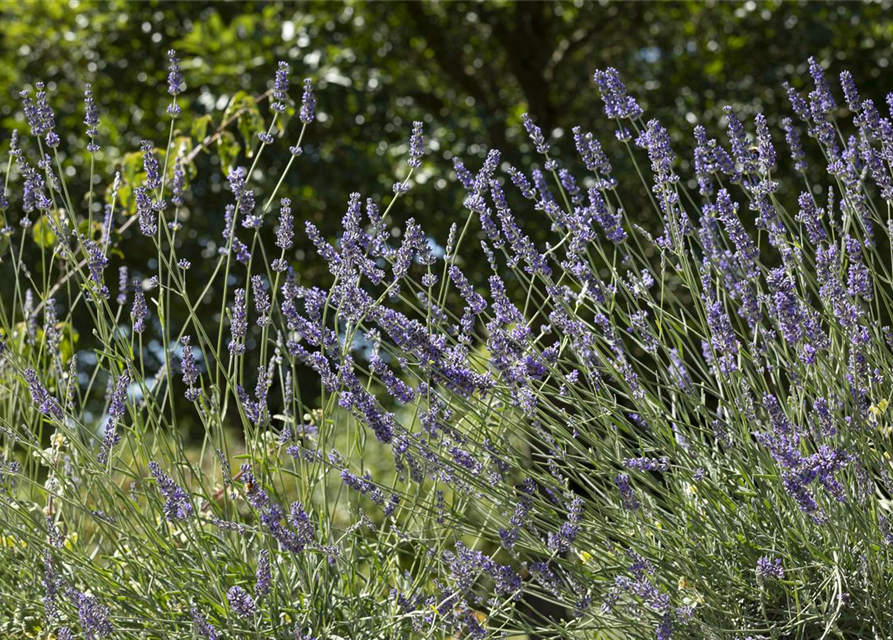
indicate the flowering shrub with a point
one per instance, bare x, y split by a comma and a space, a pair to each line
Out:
678, 436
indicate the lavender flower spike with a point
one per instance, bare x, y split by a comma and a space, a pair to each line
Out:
416, 146
308, 103
175, 83
177, 505
280, 87
46, 403
238, 324
618, 104
202, 626
536, 134
91, 119
264, 574
768, 568
242, 603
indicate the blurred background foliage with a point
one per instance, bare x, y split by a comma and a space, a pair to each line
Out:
469, 70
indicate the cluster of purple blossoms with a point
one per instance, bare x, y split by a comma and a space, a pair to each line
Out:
150, 166
536, 134
91, 119
798, 470
140, 310
178, 185
416, 146
263, 575
723, 339
641, 586
561, 541
285, 233
261, 301
307, 112
92, 615
123, 284
610, 220
647, 464
280, 88
52, 585
204, 628
241, 602
256, 410
39, 115
175, 83
146, 211
177, 503
769, 568
238, 324
618, 103
466, 565
627, 495
190, 371
96, 263
792, 137
117, 407
366, 487
45, 402
520, 515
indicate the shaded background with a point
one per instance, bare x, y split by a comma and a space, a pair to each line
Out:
468, 69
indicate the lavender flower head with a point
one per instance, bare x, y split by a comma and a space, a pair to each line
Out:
280, 87
536, 134
140, 310
627, 495
96, 262
91, 119
145, 210
45, 402
150, 165
285, 233
190, 371
175, 83
123, 284
821, 97
850, 92
47, 118
238, 324
308, 103
241, 602
202, 626
618, 104
647, 464
117, 407
263, 575
792, 137
177, 505
770, 568
178, 184
416, 146
92, 616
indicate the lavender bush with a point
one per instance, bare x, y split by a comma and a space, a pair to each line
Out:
615, 436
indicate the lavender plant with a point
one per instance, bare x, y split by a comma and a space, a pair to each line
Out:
616, 434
